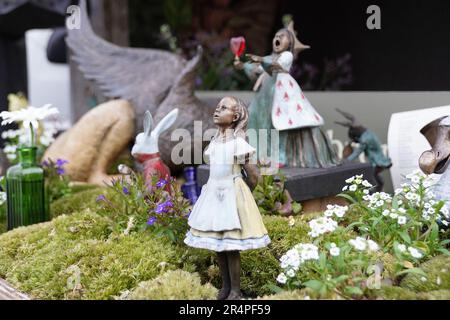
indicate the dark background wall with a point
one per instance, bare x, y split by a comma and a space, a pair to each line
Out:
410, 52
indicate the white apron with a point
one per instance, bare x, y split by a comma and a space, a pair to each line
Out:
216, 209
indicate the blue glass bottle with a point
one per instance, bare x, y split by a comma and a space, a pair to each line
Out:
190, 189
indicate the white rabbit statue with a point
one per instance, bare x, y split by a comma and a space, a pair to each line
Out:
145, 149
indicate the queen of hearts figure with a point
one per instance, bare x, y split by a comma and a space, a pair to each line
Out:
280, 104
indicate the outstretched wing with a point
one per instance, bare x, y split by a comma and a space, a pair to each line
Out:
142, 76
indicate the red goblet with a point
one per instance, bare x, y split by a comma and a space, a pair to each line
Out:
237, 46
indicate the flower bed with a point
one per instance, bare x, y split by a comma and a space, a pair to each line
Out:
90, 252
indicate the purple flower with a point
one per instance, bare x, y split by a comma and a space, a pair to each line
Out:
164, 207
101, 198
61, 162
45, 163
60, 171
125, 190
151, 221
161, 183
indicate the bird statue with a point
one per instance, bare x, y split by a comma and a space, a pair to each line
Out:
150, 79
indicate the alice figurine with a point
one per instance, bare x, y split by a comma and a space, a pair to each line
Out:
280, 104
226, 218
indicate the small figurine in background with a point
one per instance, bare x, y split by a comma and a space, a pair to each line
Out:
437, 159
280, 104
146, 150
368, 144
226, 218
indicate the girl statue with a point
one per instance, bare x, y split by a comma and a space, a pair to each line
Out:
225, 217
280, 104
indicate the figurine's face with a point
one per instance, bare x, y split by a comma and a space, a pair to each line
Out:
281, 42
225, 114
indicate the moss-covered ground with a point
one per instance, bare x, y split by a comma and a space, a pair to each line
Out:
78, 255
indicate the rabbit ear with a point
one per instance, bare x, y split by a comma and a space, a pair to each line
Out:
166, 122
148, 123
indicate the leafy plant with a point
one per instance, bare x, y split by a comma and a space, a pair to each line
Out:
406, 224
271, 197
57, 182
135, 205
403, 227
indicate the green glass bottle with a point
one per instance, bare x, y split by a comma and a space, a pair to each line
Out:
25, 188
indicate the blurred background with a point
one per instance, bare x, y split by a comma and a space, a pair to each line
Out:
355, 65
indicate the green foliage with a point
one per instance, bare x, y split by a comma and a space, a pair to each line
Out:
174, 285
271, 197
57, 182
404, 225
78, 201
437, 276
158, 206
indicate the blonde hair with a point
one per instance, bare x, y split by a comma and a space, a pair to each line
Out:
240, 125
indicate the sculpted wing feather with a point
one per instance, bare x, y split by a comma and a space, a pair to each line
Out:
142, 76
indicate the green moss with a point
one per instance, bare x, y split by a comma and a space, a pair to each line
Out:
399, 293
174, 285
76, 202
437, 277
259, 267
76, 257
435, 295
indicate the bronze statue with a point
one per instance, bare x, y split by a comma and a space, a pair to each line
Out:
437, 161
368, 144
154, 80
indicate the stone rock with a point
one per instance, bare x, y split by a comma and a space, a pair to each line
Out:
95, 141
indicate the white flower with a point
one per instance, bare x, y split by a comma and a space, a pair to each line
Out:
10, 149
373, 246
379, 203
401, 220
402, 210
282, 278
385, 212
365, 191
415, 253
345, 188
2, 198
393, 215
423, 279
335, 251
350, 180
322, 225
366, 184
431, 211
409, 196
398, 191
444, 211
290, 273
358, 243
401, 247
353, 187
445, 223
29, 116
